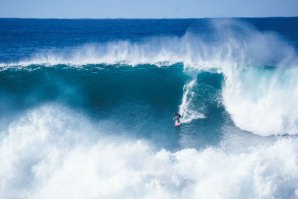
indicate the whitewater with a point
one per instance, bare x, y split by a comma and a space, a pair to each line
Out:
89, 113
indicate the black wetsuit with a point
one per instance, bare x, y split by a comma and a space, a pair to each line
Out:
177, 117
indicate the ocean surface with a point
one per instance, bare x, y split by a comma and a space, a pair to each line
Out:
87, 106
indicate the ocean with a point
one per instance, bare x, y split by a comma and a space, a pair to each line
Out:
87, 107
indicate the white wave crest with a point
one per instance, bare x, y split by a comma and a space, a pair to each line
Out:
231, 42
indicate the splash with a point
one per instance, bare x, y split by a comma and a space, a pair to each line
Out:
263, 101
189, 114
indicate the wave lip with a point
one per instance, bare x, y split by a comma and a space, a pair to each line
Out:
231, 41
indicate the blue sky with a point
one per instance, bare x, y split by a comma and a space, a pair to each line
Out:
147, 8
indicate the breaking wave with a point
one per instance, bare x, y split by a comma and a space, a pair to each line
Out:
260, 88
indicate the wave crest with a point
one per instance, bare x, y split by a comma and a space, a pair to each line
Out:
231, 42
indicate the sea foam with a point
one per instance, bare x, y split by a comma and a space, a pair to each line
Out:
52, 152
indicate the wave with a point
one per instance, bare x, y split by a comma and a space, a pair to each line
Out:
74, 158
253, 92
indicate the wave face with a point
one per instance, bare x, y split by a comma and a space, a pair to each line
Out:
87, 105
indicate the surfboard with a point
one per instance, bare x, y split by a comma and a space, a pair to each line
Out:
177, 123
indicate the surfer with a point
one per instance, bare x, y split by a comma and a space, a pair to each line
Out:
177, 117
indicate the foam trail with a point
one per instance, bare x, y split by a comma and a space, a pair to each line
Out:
187, 113
51, 152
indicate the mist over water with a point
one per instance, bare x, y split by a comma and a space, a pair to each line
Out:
96, 117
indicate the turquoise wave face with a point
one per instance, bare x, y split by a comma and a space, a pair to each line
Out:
141, 98
97, 88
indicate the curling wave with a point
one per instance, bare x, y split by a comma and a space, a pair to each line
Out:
259, 71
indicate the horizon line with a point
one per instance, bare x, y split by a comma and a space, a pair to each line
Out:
147, 18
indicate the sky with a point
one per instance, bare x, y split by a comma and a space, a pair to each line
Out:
147, 8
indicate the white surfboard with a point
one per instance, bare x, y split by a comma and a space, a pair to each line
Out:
177, 123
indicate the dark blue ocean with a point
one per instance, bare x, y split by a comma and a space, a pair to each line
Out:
87, 107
